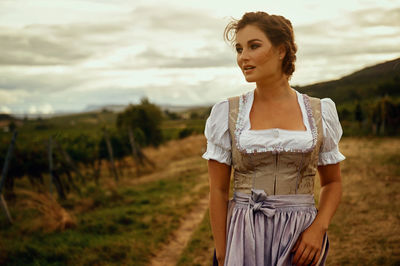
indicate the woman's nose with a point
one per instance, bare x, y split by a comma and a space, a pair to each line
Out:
244, 55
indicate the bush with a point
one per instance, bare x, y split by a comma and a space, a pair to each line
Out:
185, 133
144, 119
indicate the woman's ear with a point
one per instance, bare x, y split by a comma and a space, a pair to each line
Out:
281, 51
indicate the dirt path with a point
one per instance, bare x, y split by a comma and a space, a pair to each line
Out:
170, 252
193, 164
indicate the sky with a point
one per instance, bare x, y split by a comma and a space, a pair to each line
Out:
66, 55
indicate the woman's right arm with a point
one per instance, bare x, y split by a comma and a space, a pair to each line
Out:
219, 178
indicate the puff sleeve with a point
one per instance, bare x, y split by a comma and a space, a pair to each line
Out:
332, 130
217, 133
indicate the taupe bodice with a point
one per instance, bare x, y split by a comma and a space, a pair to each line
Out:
277, 171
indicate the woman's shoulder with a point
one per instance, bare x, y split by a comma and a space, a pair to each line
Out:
218, 114
327, 104
221, 108
328, 108
218, 107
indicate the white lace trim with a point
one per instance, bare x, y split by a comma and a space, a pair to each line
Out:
273, 148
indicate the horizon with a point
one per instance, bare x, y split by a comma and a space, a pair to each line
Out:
164, 106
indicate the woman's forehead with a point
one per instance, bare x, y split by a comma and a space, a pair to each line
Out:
249, 33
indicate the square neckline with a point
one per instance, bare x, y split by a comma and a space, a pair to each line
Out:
266, 130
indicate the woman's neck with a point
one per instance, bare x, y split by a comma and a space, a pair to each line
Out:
274, 90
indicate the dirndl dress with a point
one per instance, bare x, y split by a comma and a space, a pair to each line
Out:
273, 200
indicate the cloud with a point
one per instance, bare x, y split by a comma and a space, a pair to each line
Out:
49, 81
41, 109
29, 49
5, 110
174, 19
362, 32
204, 58
36, 44
377, 17
7, 97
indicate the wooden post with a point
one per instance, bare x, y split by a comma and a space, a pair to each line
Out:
69, 161
4, 175
50, 153
7, 160
5, 208
137, 153
54, 177
110, 153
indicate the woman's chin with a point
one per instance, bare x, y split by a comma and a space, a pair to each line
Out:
249, 79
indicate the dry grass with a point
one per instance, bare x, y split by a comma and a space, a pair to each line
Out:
176, 157
171, 151
366, 227
53, 216
177, 149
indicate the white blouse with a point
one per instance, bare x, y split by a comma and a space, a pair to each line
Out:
219, 140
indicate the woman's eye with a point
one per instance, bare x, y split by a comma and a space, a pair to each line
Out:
238, 49
254, 46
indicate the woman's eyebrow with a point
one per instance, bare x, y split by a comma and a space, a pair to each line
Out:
253, 40
250, 41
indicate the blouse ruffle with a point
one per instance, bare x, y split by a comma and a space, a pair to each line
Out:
219, 141
217, 134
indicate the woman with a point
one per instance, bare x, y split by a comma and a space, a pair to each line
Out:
276, 139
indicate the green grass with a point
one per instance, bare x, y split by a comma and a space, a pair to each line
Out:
125, 228
200, 248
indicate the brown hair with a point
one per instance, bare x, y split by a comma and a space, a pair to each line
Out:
278, 30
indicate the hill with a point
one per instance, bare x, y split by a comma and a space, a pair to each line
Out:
368, 83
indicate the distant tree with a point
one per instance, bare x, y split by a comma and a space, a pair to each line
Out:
144, 118
4, 116
358, 114
344, 113
194, 115
391, 88
171, 115
206, 113
185, 133
12, 125
385, 117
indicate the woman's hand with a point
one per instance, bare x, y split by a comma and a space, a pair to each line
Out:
220, 258
308, 246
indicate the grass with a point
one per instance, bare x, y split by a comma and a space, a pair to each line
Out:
125, 230
116, 224
366, 225
199, 250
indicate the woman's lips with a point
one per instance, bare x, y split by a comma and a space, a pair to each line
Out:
248, 69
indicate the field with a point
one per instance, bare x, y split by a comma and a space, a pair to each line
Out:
161, 217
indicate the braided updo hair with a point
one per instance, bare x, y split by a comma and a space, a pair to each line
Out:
278, 30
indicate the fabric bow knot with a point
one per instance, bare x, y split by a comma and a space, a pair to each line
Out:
258, 203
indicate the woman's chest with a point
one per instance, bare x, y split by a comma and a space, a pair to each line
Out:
286, 116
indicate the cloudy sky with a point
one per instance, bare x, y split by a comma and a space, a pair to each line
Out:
64, 55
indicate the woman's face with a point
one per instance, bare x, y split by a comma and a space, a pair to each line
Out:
256, 56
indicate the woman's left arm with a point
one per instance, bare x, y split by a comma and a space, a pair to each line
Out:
308, 247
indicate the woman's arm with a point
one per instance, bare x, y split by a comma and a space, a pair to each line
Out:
310, 241
219, 177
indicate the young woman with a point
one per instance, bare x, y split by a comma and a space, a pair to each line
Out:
276, 139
